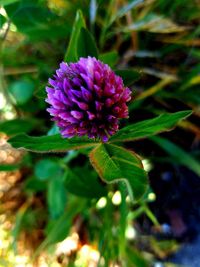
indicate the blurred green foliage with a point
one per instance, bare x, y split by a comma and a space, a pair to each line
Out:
154, 46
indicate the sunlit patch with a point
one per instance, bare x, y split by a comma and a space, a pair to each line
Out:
57, 4
117, 199
101, 203
110, 194
9, 115
13, 28
7, 110
128, 199
147, 165
114, 265
151, 197
2, 101
130, 232
87, 256
68, 245
3, 11
158, 264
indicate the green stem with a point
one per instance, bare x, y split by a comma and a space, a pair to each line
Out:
136, 213
106, 237
150, 215
106, 24
123, 222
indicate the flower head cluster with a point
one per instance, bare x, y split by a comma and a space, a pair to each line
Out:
87, 98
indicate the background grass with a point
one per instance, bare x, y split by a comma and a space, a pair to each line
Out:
159, 39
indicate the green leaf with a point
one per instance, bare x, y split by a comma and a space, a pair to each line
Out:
121, 12
128, 76
135, 258
70, 156
47, 169
34, 19
19, 221
194, 80
71, 55
84, 182
60, 228
53, 130
115, 164
17, 126
7, 2
164, 122
178, 154
109, 58
56, 196
53, 143
9, 167
17, 228
32, 184
22, 91
155, 23
2, 20
124, 209
86, 45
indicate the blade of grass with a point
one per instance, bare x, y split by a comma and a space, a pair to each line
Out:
180, 156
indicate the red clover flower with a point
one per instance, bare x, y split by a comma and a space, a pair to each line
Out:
87, 98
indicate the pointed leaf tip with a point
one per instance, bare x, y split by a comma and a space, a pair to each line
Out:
116, 164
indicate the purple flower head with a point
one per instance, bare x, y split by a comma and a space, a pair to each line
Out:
87, 98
